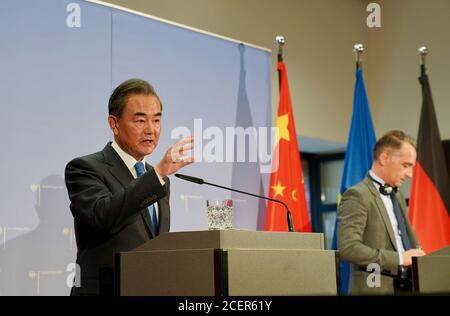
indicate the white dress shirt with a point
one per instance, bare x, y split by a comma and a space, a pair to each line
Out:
390, 210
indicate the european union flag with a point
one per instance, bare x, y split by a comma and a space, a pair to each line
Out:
358, 156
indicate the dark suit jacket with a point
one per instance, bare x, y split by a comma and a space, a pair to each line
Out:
110, 214
365, 236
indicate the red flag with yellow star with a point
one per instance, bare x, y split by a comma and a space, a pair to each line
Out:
286, 180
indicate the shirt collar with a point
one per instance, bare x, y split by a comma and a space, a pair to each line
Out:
126, 157
377, 178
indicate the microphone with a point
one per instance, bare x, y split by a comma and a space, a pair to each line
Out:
201, 181
189, 178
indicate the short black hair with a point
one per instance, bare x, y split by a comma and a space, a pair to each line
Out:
392, 140
118, 98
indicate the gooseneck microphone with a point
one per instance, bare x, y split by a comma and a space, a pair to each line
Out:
201, 181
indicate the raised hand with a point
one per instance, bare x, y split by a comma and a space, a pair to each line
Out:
175, 157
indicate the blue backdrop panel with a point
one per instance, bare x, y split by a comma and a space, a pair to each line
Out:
55, 82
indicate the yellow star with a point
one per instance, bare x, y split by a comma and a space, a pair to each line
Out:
282, 131
294, 192
278, 189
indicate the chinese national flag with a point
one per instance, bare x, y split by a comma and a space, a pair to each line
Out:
430, 191
286, 180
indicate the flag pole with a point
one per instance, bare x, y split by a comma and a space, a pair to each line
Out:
280, 43
423, 52
358, 49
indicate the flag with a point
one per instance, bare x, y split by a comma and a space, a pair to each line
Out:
430, 190
358, 156
286, 179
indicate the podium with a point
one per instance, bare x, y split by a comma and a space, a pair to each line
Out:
431, 273
229, 263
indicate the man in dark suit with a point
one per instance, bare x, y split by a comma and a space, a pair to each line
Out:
374, 230
117, 200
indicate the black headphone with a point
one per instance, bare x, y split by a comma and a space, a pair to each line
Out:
385, 189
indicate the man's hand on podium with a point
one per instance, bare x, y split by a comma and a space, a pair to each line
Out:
407, 256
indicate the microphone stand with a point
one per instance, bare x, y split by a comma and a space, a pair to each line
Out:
201, 181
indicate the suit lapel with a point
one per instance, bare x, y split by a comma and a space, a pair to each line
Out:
162, 217
116, 166
120, 171
404, 208
164, 220
147, 220
382, 210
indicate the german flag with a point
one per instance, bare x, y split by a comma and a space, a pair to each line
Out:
430, 193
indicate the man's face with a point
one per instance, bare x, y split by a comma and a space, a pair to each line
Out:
137, 131
399, 164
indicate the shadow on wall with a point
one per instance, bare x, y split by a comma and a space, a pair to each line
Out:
36, 263
251, 212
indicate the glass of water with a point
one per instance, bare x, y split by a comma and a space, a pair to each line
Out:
220, 214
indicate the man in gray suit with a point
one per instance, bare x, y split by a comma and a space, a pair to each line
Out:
117, 200
374, 233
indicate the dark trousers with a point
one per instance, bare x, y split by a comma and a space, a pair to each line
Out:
403, 283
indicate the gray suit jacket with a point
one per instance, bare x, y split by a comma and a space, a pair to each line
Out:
365, 236
110, 214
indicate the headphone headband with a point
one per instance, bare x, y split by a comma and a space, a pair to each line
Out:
384, 189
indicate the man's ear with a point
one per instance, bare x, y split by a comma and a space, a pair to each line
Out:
384, 157
113, 122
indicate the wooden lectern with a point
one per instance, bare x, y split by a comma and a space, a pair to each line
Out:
431, 273
229, 262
